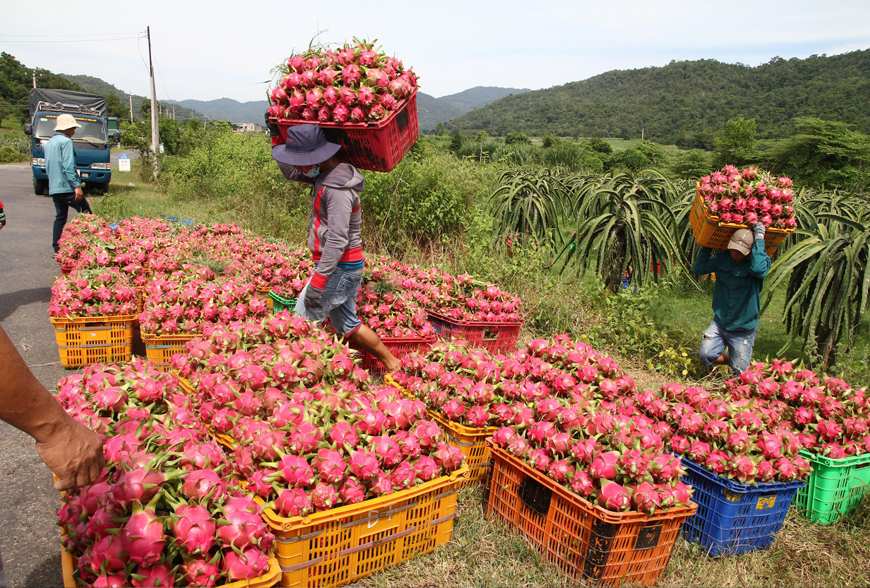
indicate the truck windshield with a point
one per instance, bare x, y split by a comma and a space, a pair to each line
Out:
93, 130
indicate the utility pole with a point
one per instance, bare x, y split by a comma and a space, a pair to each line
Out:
155, 127
131, 107
34, 78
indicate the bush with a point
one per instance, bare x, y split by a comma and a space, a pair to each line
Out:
425, 199
237, 170
10, 155
514, 138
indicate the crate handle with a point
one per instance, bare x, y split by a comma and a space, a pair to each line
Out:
535, 496
491, 333
648, 536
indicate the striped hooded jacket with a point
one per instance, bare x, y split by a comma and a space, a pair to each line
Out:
336, 218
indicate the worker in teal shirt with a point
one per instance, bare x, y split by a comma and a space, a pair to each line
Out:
64, 184
740, 272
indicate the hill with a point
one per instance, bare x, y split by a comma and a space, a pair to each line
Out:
434, 111
98, 86
228, 109
687, 102
430, 111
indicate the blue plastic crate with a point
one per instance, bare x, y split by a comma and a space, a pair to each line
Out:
735, 518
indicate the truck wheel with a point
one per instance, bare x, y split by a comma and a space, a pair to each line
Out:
40, 187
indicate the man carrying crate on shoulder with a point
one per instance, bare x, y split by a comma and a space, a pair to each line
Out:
334, 235
740, 273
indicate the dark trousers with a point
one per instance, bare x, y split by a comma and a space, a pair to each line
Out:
62, 203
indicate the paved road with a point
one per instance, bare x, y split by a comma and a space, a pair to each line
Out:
30, 538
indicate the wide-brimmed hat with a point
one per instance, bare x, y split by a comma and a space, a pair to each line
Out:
741, 241
66, 121
306, 145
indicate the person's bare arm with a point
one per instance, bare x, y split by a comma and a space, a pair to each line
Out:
72, 451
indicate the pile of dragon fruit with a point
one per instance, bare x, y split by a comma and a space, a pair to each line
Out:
185, 301
830, 417
740, 440
305, 446
390, 310
356, 83
562, 407
167, 509
94, 292
460, 298
749, 196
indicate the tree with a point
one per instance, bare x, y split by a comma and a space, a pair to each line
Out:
514, 138
824, 154
736, 144
117, 107
599, 145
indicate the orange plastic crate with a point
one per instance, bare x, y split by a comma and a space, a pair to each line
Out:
709, 232
344, 544
587, 542
398, 346
82, 341
68, 565
471, 441
159, 349
494, 337
376, 146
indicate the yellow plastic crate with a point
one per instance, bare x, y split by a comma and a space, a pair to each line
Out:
68, 565
344, 544
471, 441
86, 340
159, 349
709, 232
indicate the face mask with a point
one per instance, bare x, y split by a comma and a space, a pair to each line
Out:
312, 173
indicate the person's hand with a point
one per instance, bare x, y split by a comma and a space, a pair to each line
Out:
758, 231
79, 194
74, 453
313, 298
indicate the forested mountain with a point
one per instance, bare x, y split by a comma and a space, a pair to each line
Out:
228, 109
16, 81
98, 86
433, 111
688, 102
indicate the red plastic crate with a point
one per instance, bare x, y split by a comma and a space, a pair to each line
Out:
376, 146
398, 346
494, 337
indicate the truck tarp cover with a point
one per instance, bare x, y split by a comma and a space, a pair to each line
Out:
38, 95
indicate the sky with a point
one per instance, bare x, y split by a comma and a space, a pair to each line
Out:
218, 49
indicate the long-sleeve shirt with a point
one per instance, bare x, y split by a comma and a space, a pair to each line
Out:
60, 165
737, 295
335, 224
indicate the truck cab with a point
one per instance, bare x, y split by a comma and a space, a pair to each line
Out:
91, 140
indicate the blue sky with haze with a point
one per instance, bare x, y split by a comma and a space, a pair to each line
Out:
207, 50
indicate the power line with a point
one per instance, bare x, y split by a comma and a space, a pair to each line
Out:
88, 35
73, 41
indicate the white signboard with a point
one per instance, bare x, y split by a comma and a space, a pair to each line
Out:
124, 162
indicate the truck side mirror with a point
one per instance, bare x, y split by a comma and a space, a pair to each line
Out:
28, 129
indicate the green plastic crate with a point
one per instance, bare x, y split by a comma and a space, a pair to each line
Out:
279, 303
835, 487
